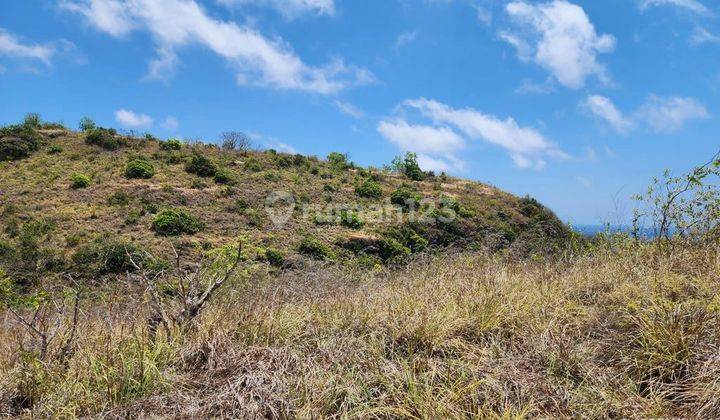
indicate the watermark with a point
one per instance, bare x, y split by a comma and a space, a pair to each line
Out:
282, 207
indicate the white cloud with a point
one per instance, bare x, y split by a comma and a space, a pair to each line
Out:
587, 183
171, 124
289, 8
559, 37
130, 119
484, 15
691, 5
668, 114
602, 107
257, 60
525, 145
703, 36
404, 39
349, 109
445, 135
12, 46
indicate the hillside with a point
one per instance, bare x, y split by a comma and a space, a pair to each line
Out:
77, 199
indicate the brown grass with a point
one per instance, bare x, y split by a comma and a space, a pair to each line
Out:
624, 332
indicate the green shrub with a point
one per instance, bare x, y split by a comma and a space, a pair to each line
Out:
78, 181
392, 250
32, 120
201, 166
314, 248
108, 256
253, 165
171, 144
406, 196
103, 137
408, 166
223, 176
139, 168
369, 189
339, 161
18, 142
86, 124
54, 149
119, 198
284, 161
351, 220
274, 257
174, 222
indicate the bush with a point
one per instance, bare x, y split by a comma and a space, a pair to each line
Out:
314, 248
351, 220
174, 222
223, 176
54, 149
284, 161
78, 181
119, 198
139, 168
103, 137
32, 120
406, 196
392, 250
171, 144
18, 142
408, 166
107, 256
339, 161
369, 189
201, 166
274, 257
253, 165
86, 124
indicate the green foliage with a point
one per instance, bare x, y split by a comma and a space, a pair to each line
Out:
119, 198
106, 256
339, 161
223, 176
284, 161
369, 188
86, 124
104, 137
139, 168
175, 222
171, 144
408, 166
316, 249
392, 250
351, 220
406, 196
409, 237
54, 149
275, 257
252, 164
201, 166
32, 120
18, 142
78, 181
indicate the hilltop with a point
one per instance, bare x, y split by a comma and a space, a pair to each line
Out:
80, 198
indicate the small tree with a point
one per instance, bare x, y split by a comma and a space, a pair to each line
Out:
408, 166
687, 206
86, 124
235, 140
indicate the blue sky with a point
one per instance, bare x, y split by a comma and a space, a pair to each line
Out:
576, 103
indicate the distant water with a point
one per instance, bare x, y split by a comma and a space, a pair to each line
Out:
591, 230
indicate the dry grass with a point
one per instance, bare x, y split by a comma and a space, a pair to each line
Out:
624, 332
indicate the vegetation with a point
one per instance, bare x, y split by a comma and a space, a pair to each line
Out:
406, 196
78, 181
408, 165
139, 168
201, 166
314, 248
103, 137
174, 222
171, 144
18, 142
369, 188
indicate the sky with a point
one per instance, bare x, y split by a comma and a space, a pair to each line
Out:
578, 104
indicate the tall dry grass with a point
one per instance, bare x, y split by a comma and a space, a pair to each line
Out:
625, 331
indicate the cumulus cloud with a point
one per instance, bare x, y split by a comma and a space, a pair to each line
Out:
257, 60
289, 8
670, 114
12, 46
691, 5
603, 108
130, 119
559, 37
446, 133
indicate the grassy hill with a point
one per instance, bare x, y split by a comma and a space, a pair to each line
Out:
149, 279
76, 197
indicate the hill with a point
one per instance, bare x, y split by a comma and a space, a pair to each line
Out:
75, 201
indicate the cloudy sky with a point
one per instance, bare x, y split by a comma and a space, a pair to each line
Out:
576, 103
